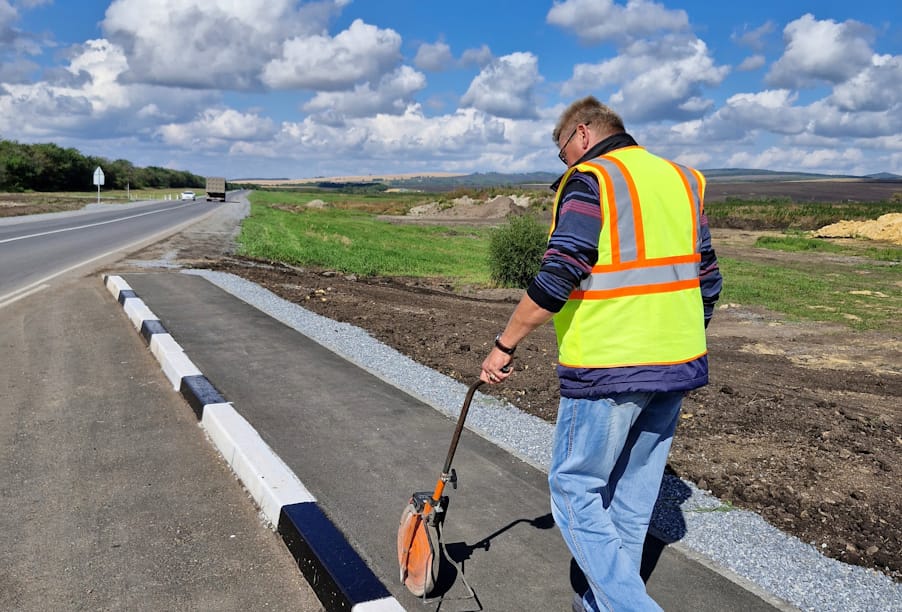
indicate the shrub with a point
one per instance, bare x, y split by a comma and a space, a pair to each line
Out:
515, 251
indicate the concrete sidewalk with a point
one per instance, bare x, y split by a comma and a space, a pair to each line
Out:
361, 447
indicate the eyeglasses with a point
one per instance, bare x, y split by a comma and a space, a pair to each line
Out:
572, 134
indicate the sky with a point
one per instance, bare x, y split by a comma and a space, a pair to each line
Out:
289, 89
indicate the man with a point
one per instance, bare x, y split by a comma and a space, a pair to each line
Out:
631, 280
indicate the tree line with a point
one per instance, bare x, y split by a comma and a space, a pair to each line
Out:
49, 167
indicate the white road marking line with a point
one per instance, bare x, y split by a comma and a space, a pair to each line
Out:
77, 227
6, 302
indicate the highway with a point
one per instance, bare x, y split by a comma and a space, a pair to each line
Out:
35, 251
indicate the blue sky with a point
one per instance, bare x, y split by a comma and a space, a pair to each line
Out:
281, 88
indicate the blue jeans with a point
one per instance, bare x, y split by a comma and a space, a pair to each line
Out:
606, 469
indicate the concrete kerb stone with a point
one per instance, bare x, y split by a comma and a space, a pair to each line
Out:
335, 571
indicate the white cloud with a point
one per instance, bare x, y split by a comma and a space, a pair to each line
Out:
821, 51
87, 98
878, 87
506, 87
480, 56
434, 57
597, 21
754, 38
208, 43
752, 62
214, 127
409, 140
827, 120
658, 79
360, 53
392, 95
13, 40
771, 110
832, 160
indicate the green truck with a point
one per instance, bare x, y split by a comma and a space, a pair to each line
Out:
216, 188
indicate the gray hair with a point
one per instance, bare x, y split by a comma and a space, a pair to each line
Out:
588, 110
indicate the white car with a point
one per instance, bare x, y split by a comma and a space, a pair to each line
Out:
188, 195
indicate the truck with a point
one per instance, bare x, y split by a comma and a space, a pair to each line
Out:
216, 188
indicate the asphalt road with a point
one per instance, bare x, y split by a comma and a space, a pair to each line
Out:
111, 498
34, 251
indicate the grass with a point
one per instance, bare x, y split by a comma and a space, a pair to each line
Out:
862, 292
377, 203
355, 242
781, 213
796, 242
862, 295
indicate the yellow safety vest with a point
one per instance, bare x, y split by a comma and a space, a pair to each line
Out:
641, 305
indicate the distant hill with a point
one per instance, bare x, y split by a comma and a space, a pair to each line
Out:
544, 179
541, 180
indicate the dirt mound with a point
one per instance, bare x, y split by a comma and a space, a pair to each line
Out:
466, 207
887, 228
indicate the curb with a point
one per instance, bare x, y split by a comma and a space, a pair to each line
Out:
338, 575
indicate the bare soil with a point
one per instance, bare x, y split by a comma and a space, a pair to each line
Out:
801, 423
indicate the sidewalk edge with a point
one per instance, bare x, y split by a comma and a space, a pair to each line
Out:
338, 575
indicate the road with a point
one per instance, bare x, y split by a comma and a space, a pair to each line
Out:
32, 252
111, 498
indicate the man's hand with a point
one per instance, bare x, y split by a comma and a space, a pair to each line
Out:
496, 367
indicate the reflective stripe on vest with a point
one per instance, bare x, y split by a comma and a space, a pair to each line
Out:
646, 278
630, 272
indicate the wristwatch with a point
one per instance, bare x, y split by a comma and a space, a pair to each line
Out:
504, 349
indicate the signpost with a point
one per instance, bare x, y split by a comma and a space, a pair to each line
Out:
98, 180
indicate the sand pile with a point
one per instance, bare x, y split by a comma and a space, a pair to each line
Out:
887, 228
468, 208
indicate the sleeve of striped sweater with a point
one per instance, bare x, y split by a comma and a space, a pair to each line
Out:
572, 247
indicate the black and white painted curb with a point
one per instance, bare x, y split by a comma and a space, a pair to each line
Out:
337, 574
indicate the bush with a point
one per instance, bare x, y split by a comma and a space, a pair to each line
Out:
515, 251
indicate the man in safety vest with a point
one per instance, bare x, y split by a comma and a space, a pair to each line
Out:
630, 279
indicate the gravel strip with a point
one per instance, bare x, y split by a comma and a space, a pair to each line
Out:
738, 540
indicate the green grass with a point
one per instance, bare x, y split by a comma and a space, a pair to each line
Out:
373, 202
863, 296
355, 242
796, 242
781, 213
862, 292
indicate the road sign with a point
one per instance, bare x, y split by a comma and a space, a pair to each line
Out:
98, 176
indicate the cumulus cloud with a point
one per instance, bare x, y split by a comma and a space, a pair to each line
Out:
409, 140
752, 62
506, 87
876, 88
362, 52
754, 38
480, 56
597, 21
660, 79
392, 94
771, 110
214, 127
86, 98
14, 41
434, 57
208, 43
831, 160
821, 50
